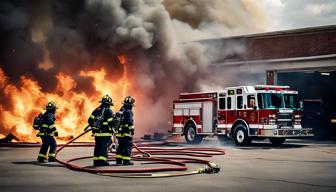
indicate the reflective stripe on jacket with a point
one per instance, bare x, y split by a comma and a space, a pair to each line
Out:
106, 126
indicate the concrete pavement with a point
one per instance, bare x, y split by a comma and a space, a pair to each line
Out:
295, 166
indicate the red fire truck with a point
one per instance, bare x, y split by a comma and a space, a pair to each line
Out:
243, 112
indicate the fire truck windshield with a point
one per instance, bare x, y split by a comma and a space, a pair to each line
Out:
270, 101
292, 101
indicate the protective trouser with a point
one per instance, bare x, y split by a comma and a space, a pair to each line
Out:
47, 142
124, 150
100, 153
119, 151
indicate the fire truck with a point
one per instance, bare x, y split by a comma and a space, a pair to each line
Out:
243, 113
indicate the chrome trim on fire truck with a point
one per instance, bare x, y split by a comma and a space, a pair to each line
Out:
284, 120
254, 126
297, 126
287, 133
178, 125
270, 126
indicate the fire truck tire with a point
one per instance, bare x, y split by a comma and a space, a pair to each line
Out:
191, 136
277, 141
240, 135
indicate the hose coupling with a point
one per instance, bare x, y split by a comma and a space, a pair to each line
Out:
211, 168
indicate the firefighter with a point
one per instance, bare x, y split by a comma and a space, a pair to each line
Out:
102, 129
125, 133
47, 132
252, 103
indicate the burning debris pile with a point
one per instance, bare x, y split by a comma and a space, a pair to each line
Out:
74, 51
9, 138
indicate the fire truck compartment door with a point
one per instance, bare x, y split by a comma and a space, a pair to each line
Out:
207, 117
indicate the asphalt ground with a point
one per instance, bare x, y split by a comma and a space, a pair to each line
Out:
298, 165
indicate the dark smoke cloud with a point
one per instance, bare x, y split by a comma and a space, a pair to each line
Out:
18, 53
79, 35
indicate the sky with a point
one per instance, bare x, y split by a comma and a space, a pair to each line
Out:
289, 14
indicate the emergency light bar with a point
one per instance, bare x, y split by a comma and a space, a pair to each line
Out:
272, 86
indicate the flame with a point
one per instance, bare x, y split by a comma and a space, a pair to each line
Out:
27, 100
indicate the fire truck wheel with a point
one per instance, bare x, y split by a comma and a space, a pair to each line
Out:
277, 141
240, 135
190, 135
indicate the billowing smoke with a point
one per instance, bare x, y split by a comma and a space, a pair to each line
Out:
50, 41
199, 19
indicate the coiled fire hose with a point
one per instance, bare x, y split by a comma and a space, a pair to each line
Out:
145, 153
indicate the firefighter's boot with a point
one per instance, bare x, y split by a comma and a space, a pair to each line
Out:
100, 163
96, 163
40, 159
104, 163
119, 161
52, 156
128, 162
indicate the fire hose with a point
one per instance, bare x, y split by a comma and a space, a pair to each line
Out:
145, 153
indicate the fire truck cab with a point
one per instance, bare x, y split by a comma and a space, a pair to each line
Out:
243, 113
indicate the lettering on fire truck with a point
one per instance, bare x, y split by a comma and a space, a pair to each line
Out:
243, 112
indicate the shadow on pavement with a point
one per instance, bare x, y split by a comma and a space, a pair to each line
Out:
253, 146
47, 164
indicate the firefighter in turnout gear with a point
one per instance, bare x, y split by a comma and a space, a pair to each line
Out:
125, 133
45, 123
102, 129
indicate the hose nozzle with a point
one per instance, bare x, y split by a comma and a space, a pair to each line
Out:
210, 168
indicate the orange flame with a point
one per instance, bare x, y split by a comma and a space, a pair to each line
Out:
27, 100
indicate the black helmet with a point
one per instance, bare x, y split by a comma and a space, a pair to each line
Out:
106, 100
51, 105
128, 101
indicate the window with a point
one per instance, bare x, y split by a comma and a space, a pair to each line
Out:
270, 101
239, 102
231, 92
229, 102
260, 103
221, 103
250, 101
292, 101
239, 91
222, 95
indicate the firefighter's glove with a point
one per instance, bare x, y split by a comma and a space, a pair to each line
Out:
114, 146
56, 134
87, 128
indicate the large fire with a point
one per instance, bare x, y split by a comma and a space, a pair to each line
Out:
27, 100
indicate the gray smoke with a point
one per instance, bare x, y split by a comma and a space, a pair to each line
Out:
18, 53
40, 38
203, 19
